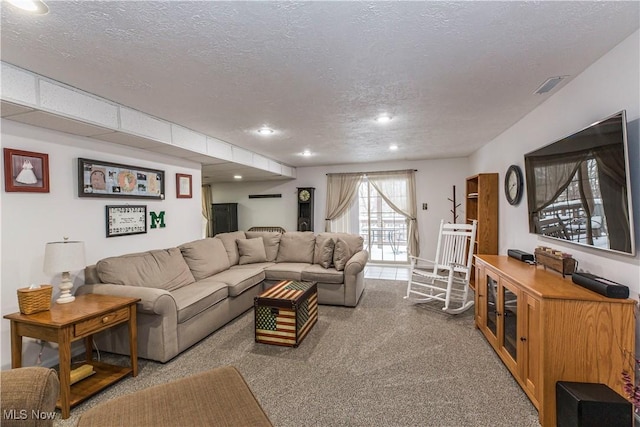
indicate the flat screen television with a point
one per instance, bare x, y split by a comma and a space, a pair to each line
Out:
578, 188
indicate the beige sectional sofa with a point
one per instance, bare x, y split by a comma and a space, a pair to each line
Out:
190, 291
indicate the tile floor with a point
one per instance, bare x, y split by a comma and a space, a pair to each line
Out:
388, 272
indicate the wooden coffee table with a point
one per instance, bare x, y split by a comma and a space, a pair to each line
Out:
286, 312
66, 323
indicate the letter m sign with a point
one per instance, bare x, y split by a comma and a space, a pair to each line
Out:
157, 220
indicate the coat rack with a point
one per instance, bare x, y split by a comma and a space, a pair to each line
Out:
455, 206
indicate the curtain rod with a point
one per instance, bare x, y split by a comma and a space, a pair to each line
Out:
373, 172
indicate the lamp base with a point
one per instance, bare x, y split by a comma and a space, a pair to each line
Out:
63, 299
65, 290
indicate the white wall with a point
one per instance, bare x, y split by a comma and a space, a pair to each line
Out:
609, 85
434, 185
30, 220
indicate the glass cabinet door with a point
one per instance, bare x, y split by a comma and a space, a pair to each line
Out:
492, 305
510, 319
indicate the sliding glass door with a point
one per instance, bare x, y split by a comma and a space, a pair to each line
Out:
384, 231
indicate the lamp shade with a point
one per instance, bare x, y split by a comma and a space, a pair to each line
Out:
64, 256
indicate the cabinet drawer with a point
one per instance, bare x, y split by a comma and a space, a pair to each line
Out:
99, 323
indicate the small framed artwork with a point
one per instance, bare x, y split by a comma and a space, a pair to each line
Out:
183, 186
26, 171
123, 220
104, 179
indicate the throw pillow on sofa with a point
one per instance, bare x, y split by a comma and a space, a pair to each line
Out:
205, 257
325, 252
271, 240
229, 242
355, 241
163, 269
251, 251
341, 254
296, 246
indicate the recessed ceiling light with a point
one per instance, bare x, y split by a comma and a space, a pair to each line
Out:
265, 131
32, 6
383, 118
306, 153
393, 147
237, 176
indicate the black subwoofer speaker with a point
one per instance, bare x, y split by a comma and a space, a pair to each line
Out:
591, 405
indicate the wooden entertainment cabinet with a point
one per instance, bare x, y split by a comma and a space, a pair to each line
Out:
546, 329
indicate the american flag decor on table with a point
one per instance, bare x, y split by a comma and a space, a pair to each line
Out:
285, 313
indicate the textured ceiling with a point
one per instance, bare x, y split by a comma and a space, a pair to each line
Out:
454, 75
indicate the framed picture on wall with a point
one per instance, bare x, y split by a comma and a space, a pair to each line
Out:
26, 171
183, 186
105, 179
123, 220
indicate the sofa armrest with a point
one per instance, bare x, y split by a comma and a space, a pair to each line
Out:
29, 391
354, 278
356, 263
152, 300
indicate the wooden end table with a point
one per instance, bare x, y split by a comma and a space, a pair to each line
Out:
66, 323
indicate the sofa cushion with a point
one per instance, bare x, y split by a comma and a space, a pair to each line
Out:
296, 246
205, 257
271, 242
162, 269
285, 271
341, 254
251, 251
354, 241
323, 252
229, 242
258, 266
197, 297
318, 273
239, 280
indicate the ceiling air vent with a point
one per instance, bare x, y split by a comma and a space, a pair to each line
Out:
549, 84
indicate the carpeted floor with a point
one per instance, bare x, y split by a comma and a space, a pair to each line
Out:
387, 362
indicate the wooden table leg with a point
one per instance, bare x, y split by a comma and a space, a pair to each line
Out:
133, 339
16, 346
64, 355
88, 350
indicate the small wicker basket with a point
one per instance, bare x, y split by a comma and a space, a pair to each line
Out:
34, 300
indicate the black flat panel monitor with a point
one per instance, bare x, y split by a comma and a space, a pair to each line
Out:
578, 188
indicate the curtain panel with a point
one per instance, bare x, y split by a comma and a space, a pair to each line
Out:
206, 209
342, 190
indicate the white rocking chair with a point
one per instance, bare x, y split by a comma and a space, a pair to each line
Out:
446, 278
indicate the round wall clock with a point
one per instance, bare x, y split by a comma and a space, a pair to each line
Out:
304, 196
513, 185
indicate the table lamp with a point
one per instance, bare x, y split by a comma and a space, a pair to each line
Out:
63, 257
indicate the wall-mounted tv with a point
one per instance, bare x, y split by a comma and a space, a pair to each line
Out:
578, 188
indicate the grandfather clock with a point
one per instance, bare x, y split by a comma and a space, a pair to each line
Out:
305, 208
